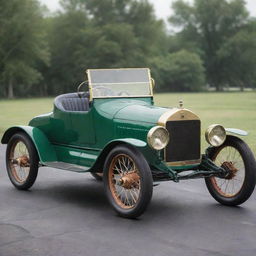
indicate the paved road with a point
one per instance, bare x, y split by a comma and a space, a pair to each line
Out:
67, 214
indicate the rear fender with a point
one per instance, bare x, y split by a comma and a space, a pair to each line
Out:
44, 148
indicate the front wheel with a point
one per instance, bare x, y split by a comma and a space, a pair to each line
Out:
236, 157
128, 181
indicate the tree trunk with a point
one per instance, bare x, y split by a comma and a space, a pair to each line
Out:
216, 86
10, 90
45, 89
241, 86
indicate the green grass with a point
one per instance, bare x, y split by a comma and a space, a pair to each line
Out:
13, 112
234, 109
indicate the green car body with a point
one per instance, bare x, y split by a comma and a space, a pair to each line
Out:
84, 139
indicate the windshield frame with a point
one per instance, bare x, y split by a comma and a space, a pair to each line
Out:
151, 83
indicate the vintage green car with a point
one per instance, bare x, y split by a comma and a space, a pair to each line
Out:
113, 130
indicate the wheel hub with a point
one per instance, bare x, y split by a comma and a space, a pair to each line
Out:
230, 168
129, 180
22, 161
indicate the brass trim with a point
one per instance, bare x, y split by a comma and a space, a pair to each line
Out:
177, 114
89, 85
103, 97
188, 162
151, 83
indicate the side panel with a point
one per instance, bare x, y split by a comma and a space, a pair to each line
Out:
77, 156
45, 150
82, 124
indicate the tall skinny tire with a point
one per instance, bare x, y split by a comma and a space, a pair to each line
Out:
237, 187
128, 181
21, 161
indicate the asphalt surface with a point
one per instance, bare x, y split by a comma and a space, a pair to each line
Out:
67, 214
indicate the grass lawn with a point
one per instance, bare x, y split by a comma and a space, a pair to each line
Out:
234, 109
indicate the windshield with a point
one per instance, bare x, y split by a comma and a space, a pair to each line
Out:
134, 82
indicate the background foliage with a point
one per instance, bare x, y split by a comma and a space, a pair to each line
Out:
46, 54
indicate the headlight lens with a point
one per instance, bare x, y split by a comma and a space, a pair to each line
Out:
158, 137
215, 135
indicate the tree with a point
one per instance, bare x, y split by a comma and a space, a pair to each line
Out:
238, 55
22, 45
179, 71
210, 24
65, 34
101, 34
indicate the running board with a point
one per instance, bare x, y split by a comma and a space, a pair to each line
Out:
67, 166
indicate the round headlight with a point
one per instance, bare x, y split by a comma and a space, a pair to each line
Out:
215, 135
158, 137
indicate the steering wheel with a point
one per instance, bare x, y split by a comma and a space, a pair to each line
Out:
79, 87
103, 91
123, 93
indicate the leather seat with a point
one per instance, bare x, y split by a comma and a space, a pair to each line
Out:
71, 102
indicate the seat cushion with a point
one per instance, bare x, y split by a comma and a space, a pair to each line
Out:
72, 102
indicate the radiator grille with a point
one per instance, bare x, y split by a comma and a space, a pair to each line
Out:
184, 142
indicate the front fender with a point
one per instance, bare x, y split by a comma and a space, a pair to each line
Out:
98, 166
236, 131
44, 148
134, 142
151, 156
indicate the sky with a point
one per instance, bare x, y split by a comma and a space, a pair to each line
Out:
162, 7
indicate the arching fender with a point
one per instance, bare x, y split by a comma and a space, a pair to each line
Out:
236, 131
133, 142
98, 166
45, 150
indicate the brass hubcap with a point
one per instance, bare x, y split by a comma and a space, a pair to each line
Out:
22, 161
130, 180
124, 181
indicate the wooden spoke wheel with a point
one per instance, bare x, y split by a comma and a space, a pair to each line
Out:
21, 161
235, 157
128, 181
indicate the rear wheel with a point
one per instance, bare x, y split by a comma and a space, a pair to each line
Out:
21, 161
236, 157
128, 181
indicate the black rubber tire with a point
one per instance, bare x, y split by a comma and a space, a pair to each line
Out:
146, 181
97, 176
250, 172
33, 159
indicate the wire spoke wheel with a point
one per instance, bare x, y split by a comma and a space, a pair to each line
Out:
128, 181
21, 161
229, 158
235, 157
124, 179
